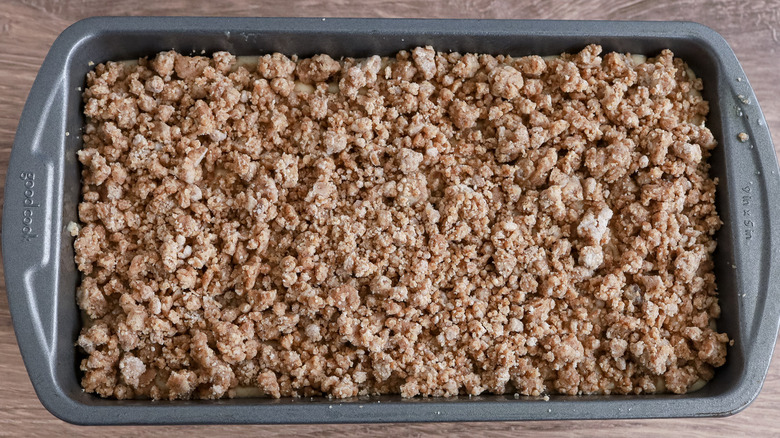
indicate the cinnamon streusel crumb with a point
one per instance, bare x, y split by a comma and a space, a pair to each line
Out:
432, 224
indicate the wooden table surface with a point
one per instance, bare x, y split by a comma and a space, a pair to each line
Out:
28, 27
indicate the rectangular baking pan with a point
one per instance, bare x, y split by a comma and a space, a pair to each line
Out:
42, 192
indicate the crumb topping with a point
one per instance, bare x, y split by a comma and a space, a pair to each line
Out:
431, 224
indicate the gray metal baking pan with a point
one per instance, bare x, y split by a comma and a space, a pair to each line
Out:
42, 192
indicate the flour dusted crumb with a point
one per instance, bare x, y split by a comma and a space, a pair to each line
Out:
73, 228
432, 224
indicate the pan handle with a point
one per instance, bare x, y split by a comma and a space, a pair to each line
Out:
750, 208
32, 237
754, 194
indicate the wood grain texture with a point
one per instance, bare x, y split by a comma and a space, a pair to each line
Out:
28, 27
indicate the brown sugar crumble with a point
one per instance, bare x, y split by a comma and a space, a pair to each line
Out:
432, 224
